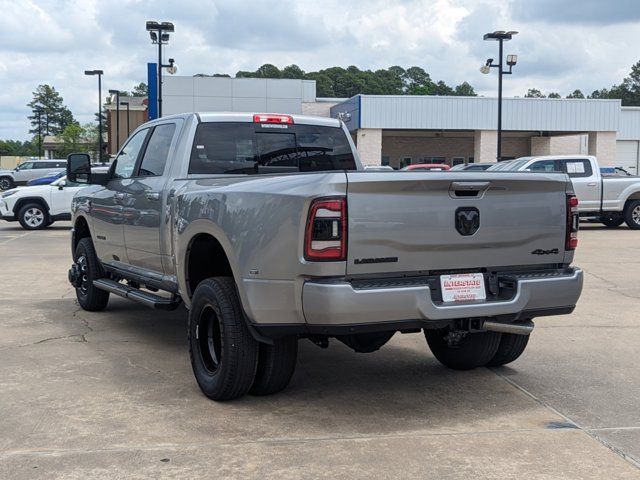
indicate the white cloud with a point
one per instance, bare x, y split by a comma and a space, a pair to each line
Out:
54, 41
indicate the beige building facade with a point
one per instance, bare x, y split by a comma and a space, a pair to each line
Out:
404, 130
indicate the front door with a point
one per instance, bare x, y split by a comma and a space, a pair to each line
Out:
143, 212
23, 173
108, 204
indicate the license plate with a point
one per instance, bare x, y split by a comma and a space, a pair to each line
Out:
462, 287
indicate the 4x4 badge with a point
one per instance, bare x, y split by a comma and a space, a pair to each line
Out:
539, 251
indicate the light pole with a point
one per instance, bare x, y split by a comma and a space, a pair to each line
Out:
127, 104
117, 94
500, 36
99, 73
159, 33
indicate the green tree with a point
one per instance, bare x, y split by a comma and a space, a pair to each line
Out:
140, 90
346, 82
554, 95
418, 82
465, 90
292, 71
54, 115
534, 93
576, 94
324, 84
268, 71
74, 140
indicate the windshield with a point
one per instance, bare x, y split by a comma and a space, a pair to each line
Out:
25, 166
510, 165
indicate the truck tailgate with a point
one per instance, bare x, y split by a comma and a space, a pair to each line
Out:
406, 221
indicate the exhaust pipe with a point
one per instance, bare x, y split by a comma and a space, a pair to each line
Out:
521, 328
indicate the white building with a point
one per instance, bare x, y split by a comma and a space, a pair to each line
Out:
401, 129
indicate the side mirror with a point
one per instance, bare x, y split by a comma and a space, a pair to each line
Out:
79, 168
61, 185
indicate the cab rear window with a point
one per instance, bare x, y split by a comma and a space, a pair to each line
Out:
248, 148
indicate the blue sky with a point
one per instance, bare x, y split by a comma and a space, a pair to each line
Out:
562, 45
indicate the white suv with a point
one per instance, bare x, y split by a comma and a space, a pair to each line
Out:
39, 206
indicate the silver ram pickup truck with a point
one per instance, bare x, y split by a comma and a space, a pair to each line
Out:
611, 200
268, 229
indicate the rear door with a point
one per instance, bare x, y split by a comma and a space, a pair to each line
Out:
415, 222
585, 182
143, 210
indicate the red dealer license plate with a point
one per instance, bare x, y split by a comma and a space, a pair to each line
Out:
463, 287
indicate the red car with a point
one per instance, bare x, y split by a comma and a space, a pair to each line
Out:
441, 167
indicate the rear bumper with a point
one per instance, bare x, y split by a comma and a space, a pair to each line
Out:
339, 304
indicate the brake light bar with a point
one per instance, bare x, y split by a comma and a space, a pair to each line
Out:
573, 223
325, 237
272, 118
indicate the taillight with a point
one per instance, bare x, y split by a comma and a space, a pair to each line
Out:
325, 238
272, 118
573, 222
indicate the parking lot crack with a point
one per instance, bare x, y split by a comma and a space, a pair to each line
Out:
591, 432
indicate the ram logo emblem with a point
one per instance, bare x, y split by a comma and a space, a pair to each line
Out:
467, 220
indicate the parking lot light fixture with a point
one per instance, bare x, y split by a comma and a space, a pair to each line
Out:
159, 33
99, 73
500, 36
117, 94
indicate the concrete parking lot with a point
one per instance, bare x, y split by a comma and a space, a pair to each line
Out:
111, 395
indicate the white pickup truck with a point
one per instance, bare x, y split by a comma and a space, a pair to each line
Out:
612, 199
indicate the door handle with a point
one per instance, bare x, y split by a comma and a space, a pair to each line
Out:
592, 184
154, 196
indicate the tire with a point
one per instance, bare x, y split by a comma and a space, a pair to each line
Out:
223, 353
474, 350
276, 364
632, 214
510, 348
89, 297
33, 216
6, 183
612, 221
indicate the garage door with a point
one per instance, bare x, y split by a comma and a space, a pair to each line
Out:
627, 155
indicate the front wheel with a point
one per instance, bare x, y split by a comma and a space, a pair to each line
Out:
632, 214
6, 183
33, 216
471, 351
223, 352
89, 269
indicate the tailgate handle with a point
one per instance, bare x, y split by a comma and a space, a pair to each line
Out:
468, 189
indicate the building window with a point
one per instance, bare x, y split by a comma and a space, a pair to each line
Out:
435, 160
404, 161
457, 161
385, 159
